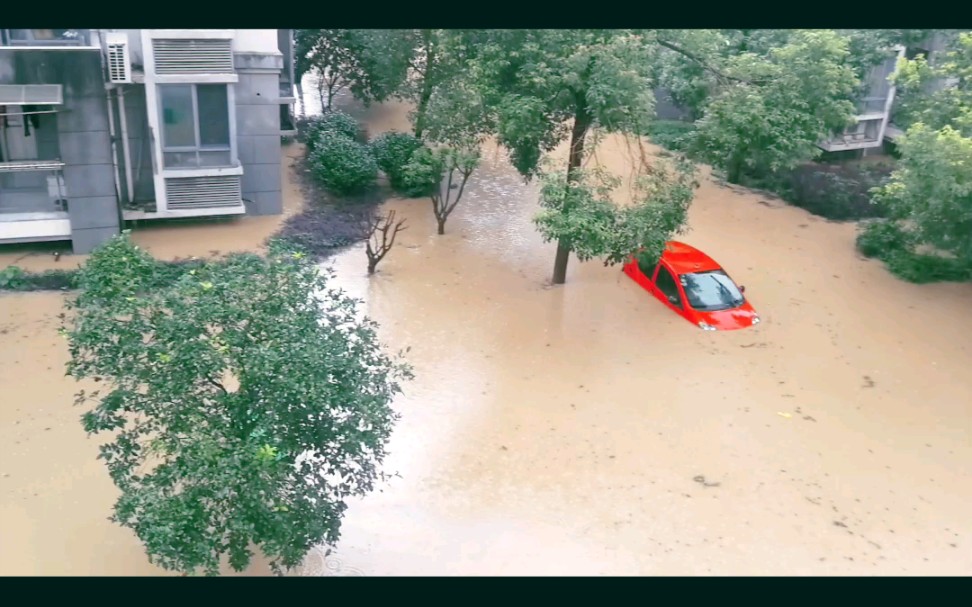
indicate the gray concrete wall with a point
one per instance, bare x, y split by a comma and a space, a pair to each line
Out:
83, 138
258, 133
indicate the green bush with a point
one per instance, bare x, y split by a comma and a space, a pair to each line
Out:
924, 268
393, 151
12, 278
881, 238
332, 122
887, 241
673, 135
342, 165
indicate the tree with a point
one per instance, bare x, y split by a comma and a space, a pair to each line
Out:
932, 188
581, 213
544, 86
367, 62
443, 172
245, 403
380, 233
774, 112
941, 94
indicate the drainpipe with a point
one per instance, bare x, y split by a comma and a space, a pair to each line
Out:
126, 152
111, 124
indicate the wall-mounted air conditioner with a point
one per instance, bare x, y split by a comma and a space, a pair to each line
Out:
119, 59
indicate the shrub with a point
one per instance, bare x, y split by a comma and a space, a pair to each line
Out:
332, 122
674, 135
879, 238
838, 192
12, 278
342, 165
888, 241
393, 151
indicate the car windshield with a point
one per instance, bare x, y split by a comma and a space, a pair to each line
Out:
711, 291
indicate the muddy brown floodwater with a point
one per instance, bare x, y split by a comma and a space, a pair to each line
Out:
585, 429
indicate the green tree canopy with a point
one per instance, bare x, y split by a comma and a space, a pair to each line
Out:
777, 109
932, 187
244, 404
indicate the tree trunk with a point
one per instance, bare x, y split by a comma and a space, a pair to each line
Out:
427, 85
582, 122
372, 265
442, 226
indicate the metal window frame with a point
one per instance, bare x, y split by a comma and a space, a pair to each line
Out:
199, 147
83, 39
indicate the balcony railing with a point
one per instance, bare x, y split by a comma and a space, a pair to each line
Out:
45, 37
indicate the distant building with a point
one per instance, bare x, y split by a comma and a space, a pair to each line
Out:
102, 126
874, 123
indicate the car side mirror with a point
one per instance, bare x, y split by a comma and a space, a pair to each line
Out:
742, 288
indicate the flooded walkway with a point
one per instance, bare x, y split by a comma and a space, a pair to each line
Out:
585, 429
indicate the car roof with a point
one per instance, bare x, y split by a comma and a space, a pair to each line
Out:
686, 259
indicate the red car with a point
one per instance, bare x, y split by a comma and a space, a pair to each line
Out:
692, 284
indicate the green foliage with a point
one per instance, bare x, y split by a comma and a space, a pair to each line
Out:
13, 278
925, 268
244, 403
675, 135
879, 238
370, 63
772, 117
924, 100
932, 187
342, 165
392, 151
580, 212
888, 241
332, 122
536, 81
442, 173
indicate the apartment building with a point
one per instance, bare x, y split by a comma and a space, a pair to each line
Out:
100, 127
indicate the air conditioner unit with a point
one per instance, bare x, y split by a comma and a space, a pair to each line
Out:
119, 60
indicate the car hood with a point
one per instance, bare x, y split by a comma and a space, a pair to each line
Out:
728, 320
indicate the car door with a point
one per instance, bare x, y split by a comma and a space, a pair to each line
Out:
666, 289
643, 274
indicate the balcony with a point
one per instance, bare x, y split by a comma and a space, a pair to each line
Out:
32, 201
870, 108
45, 37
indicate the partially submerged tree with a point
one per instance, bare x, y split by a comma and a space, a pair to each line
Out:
581, 212
547, 86
380, 233
245, 403
443, 172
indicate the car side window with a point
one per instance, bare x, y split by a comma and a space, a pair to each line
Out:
647, 267
666, 284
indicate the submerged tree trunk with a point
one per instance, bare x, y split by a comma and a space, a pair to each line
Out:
582, 123
735, 168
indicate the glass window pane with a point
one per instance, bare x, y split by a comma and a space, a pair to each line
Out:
178, 119
214, 158
213, 115
180, 160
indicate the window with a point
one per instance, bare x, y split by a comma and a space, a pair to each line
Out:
195, 125
46, 37
711, 291
647, 266
666, 284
